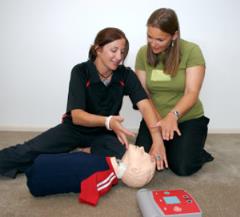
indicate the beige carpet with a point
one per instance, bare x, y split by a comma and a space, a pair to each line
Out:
215, 187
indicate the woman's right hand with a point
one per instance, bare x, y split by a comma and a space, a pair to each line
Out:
159, 154
121, 132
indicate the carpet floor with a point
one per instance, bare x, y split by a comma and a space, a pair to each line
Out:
215, 187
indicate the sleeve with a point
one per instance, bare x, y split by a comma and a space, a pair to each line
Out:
89, 193
140, 59
96, 185
196, 57
77, 90
134, 88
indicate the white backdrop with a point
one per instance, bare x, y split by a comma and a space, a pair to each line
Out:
41, 40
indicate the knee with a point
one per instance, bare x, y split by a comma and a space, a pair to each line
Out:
184, 168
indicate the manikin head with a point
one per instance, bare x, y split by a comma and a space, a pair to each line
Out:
136, 168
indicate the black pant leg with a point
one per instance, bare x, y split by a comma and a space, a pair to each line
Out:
144, 137
107, 144
185, 152
62, 138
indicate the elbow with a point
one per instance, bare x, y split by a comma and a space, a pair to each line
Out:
76, 114
193, 96
75, 121
144, 106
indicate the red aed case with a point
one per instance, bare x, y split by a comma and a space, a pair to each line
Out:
167, 203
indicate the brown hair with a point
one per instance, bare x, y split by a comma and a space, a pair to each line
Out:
166, 20
106, 36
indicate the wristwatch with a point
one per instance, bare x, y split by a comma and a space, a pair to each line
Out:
176, 113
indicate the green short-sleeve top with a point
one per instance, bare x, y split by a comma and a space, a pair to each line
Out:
165, 90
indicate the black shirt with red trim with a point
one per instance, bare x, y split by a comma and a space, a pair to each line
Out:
87, 91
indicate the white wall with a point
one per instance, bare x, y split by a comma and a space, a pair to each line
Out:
40, 42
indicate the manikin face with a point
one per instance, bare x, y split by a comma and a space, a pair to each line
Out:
110, 56
136, 155
140, 167
158, 40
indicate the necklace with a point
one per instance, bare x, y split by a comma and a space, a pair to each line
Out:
104, 77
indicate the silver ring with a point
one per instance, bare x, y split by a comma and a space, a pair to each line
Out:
158, 157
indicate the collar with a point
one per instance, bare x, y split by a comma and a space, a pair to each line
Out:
121, 169
93, 73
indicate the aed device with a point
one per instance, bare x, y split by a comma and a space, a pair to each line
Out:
167, 203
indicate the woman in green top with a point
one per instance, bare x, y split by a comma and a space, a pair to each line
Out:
172, 71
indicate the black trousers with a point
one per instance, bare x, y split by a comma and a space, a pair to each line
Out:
62, 138
185, 153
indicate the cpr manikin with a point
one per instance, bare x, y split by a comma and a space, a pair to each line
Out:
136, 168
89, 174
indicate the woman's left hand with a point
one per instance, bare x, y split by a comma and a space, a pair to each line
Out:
168, 126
